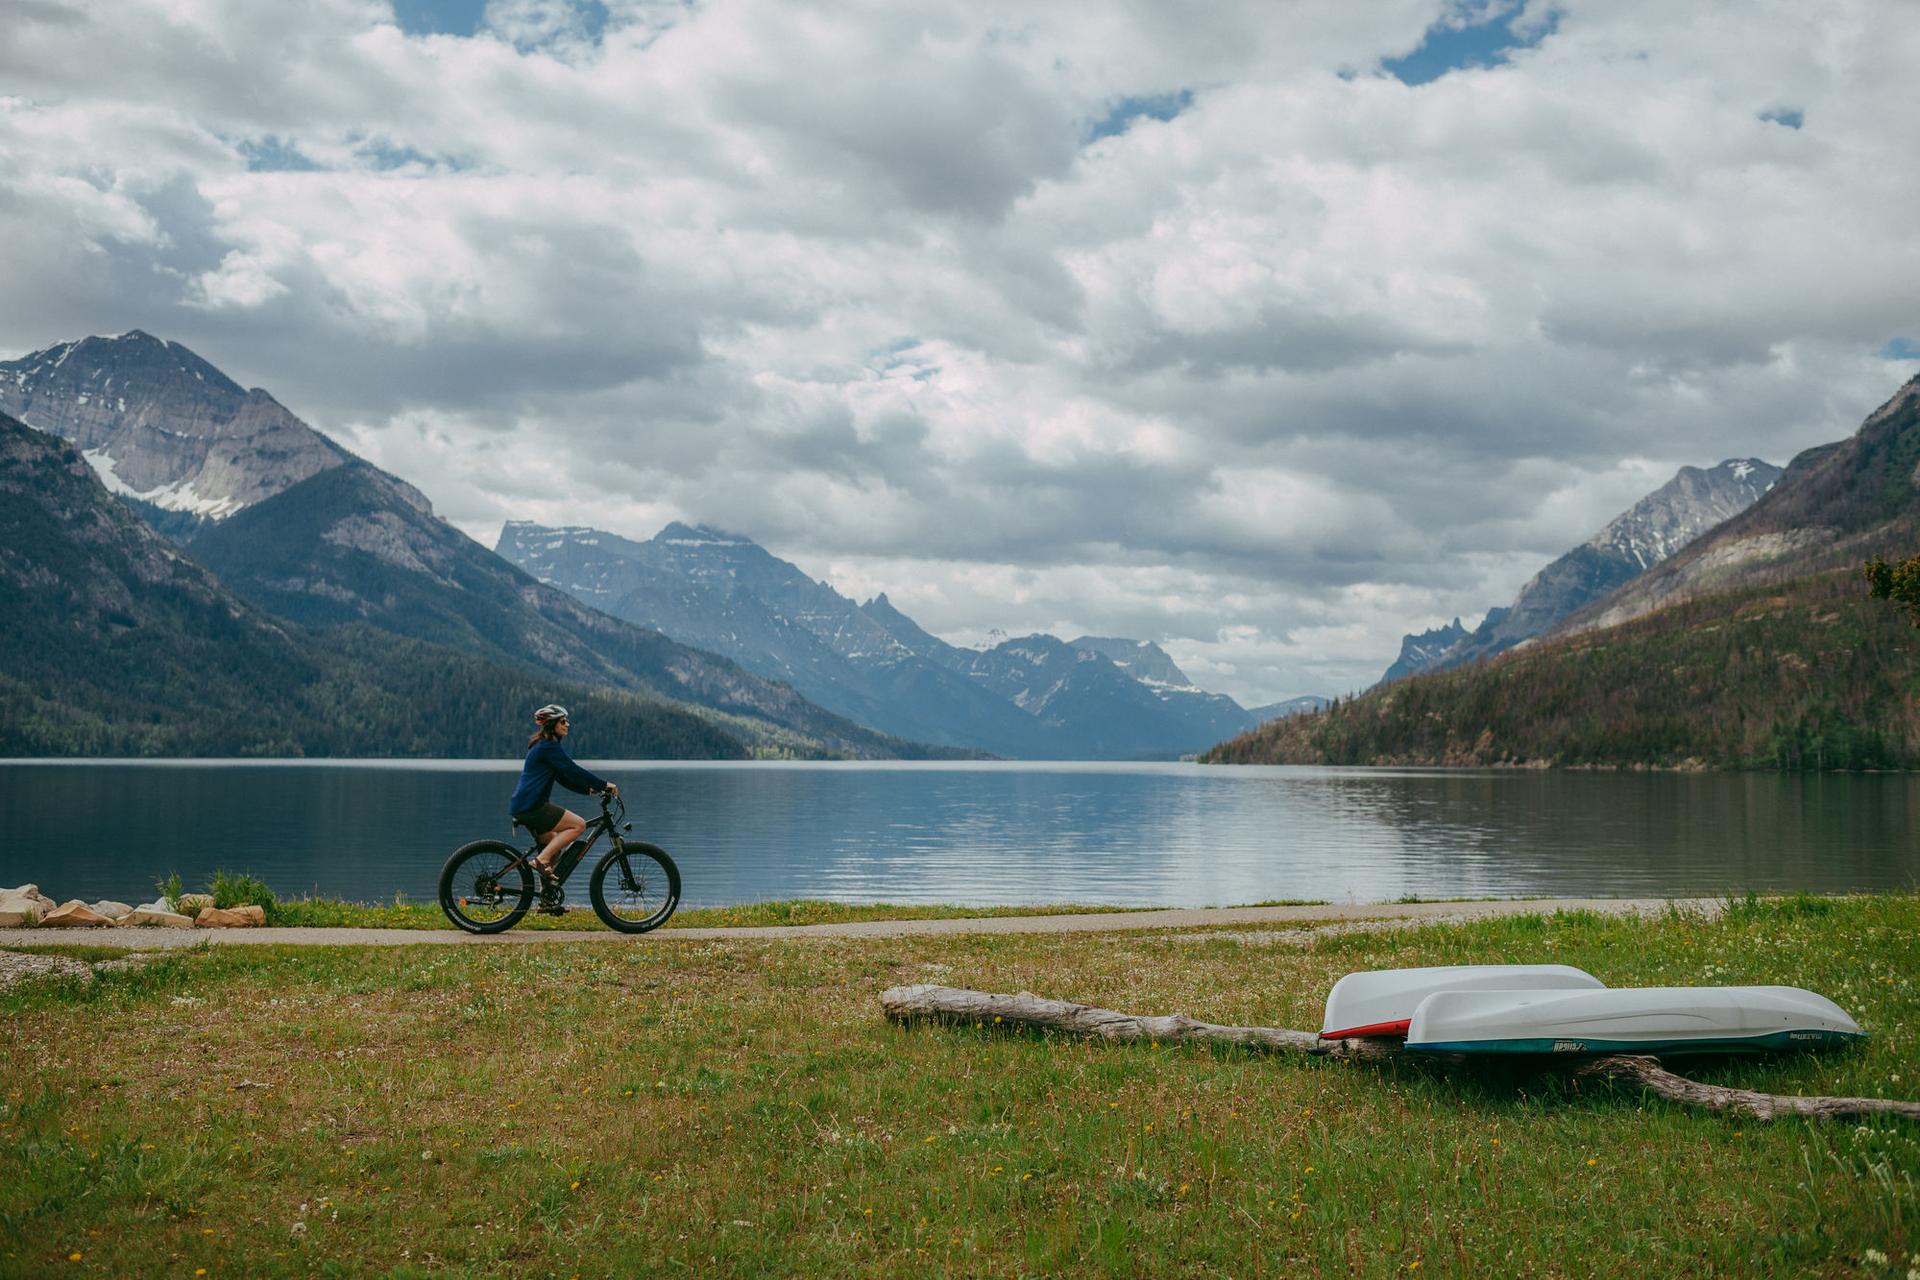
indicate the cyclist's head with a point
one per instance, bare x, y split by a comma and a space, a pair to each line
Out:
549, 718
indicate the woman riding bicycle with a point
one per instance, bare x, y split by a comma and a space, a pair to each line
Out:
548, 763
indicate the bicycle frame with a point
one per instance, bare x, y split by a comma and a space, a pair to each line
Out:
576, 853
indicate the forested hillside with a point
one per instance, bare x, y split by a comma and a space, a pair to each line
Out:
1805, 674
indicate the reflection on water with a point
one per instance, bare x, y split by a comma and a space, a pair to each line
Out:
994, 833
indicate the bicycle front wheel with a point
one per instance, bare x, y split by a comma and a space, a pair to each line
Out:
635, 887
486, 886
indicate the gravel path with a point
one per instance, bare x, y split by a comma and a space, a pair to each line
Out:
1116, 922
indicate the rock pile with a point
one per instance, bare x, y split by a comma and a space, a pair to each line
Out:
26, 907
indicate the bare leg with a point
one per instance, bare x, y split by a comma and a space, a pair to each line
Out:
558, 839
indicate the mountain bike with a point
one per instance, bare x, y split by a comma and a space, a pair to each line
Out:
488, 885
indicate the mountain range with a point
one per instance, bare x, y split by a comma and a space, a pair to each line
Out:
1644, 535
1754, 645
349, 564
343, 555
1032, 696
301, 596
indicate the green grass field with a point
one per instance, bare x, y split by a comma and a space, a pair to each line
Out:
626, 1107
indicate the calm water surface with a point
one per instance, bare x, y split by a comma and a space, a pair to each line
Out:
1123, 834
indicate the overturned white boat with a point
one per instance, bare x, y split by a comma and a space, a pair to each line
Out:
1381, 1002
1652, 1020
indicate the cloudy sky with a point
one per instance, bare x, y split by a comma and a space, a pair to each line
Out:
1268, 331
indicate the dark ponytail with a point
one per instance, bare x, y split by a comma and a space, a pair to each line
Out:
545, 734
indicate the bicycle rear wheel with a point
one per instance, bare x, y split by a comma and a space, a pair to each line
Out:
481, 888
635, 887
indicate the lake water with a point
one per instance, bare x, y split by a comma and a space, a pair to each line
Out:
1161, 834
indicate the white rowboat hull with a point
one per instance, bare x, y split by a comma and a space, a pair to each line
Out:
1381, 1002
1630, 1020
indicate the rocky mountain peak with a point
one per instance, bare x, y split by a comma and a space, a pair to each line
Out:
164, 426
1833, 506
1676, 513
1647, 534
701, 535
1144, 660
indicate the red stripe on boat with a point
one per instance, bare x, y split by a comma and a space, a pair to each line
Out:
1398, 1028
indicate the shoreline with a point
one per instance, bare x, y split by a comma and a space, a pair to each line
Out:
145, 938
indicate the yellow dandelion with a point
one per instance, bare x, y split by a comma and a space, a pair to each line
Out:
574, 1186
1592, 1163
74, 1256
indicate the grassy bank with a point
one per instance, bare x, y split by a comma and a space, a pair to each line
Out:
230, 889
330, 912
740, 1108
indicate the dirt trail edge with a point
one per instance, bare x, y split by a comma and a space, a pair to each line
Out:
145, 939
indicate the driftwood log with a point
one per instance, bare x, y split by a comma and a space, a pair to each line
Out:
986, 1008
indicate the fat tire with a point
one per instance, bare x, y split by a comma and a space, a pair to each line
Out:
643, 853
449, 895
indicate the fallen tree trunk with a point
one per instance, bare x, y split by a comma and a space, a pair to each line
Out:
986, 1008
955, 1004
1648, 1073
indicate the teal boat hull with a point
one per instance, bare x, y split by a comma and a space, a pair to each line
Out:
1772, 1042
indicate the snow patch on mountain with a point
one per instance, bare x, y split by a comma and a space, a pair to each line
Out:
178, 496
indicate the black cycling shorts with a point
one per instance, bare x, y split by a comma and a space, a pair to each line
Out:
541, 820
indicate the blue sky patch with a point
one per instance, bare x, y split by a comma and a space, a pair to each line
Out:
1466, 40
385, 155
468, 17
1163, 106
1900, 349
440, 17
1781, 115
274, 155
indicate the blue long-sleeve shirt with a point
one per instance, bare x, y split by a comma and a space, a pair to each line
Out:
548, 763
